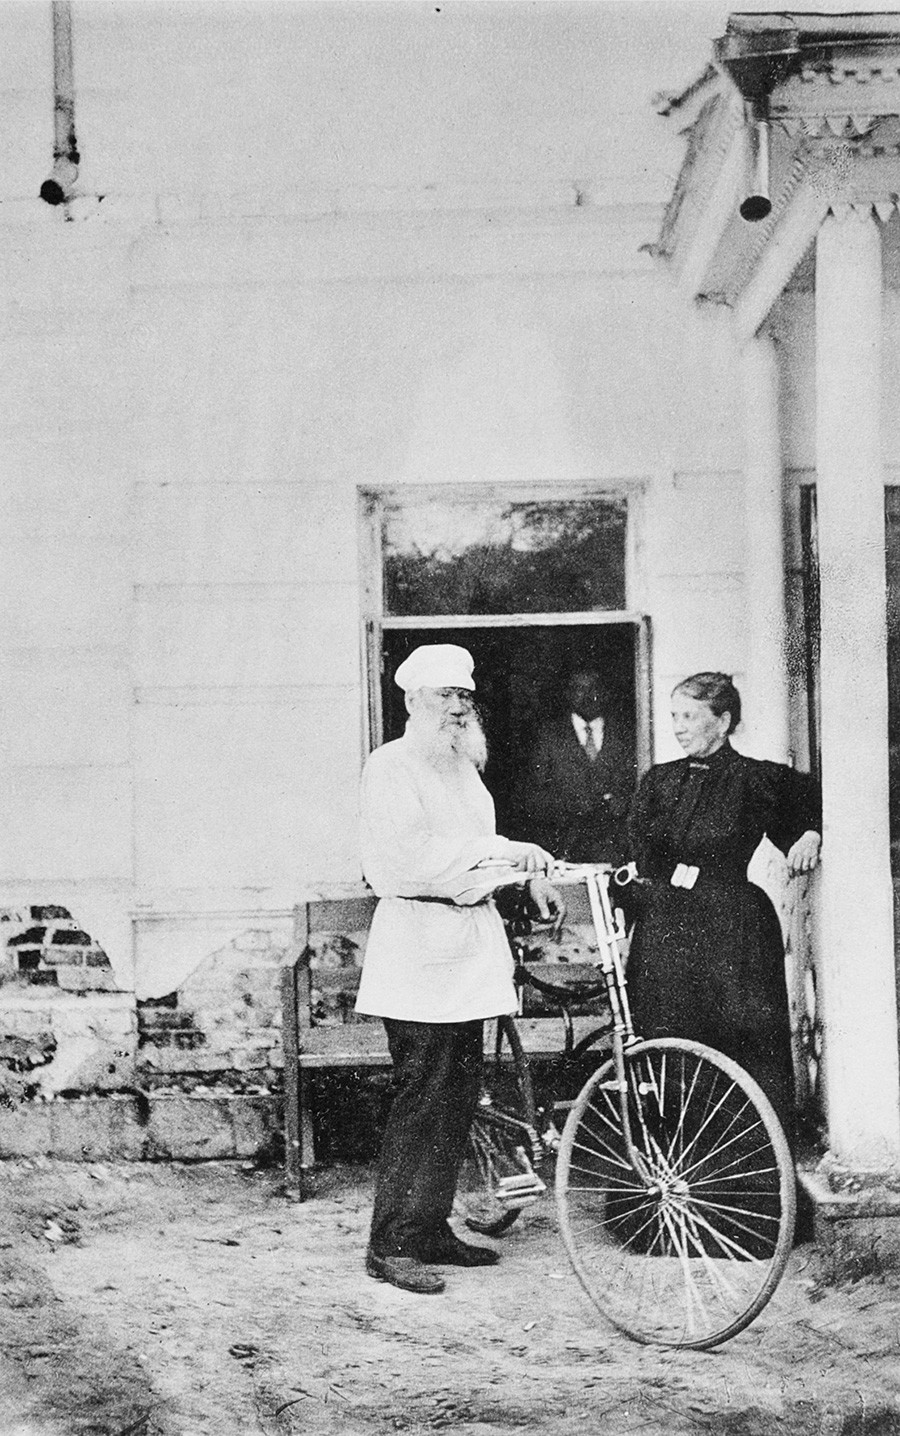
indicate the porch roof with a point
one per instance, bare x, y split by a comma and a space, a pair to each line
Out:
828, 88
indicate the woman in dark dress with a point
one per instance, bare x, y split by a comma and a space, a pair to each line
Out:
707, 957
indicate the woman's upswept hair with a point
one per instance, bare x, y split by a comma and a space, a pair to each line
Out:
715, 689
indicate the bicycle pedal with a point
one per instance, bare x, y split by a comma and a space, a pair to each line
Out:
525, 1194
526, 1185
516, 1202
552, 1137
527, 1181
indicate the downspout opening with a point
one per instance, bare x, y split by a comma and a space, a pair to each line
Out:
58, 186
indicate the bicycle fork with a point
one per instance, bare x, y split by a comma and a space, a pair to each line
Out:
609, 934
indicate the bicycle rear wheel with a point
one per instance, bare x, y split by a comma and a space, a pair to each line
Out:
497, 1179
687, 1252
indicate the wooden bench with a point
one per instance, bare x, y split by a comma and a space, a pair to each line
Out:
313, 1045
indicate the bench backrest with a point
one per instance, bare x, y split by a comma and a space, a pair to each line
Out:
321, 973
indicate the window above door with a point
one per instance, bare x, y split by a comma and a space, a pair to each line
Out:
444, 552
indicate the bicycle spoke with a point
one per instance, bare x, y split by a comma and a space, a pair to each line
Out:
609, 1224
716, 1271
727, 1245
705, 1125
753, 1232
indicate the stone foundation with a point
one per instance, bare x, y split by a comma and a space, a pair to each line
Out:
140, 1127
855, 1219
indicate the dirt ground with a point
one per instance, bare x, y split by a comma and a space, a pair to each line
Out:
159, 1300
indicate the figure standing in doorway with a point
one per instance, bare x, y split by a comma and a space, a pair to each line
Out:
579, 779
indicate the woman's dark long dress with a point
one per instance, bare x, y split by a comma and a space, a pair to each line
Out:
707, 963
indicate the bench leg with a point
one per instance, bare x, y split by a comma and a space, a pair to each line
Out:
306, 1154
293, 1180
300, 1151
293, 1189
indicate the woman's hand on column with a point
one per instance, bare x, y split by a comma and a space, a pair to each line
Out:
804, 855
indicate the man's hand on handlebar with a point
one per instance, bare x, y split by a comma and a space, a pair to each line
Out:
550, 906
530, 858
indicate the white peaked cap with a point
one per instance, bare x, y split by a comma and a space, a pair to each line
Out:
436, 665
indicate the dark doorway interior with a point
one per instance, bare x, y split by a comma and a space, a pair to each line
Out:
520, 674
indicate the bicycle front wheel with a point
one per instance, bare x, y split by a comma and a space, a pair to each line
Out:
682, 1243
497, 1179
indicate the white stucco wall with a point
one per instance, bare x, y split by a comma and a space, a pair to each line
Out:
340, 247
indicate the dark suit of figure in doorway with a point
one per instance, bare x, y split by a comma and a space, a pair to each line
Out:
579, 779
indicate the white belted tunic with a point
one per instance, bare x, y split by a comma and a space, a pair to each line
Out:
422, 828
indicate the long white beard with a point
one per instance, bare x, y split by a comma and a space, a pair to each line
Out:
446, 741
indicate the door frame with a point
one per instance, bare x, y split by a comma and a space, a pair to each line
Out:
640, 622
375, 622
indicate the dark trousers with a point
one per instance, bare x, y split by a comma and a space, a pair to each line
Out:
437, 1080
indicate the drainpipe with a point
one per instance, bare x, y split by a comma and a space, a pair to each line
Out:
57, 188
756, 62
757, 201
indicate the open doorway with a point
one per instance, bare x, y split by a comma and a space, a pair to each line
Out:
535, 583
521, 672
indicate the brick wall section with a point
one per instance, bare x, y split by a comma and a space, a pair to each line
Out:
53, 1041
224, 1019
44, 946
64, 1023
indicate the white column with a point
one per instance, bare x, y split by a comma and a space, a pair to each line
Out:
856, 915
766, 698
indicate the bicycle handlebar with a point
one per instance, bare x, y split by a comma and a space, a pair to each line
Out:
567, 874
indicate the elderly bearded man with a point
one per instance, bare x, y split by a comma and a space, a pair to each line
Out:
437, 961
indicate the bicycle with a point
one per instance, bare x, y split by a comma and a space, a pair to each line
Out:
675, 1187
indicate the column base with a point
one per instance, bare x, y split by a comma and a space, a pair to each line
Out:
854, 1219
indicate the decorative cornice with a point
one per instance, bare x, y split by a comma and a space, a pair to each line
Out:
667, 102
840, 125
713, 220
778, 260
762, 234
822, 104
866, 135
860, 70
881, 209
710, 139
